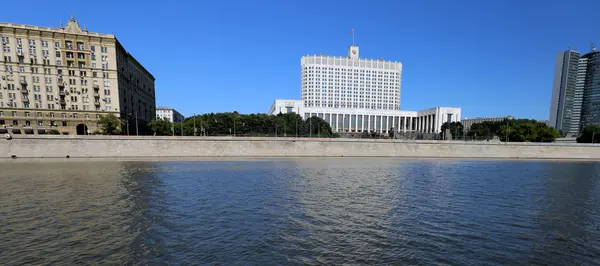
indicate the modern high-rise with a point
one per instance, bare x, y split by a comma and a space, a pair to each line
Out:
65, 78
359, 95
575, 98
169, 114
351, 82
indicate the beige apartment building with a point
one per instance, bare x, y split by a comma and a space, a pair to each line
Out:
66, 78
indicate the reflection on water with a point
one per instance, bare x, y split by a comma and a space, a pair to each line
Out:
300, 212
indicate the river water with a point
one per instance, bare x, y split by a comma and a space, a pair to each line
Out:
300, 212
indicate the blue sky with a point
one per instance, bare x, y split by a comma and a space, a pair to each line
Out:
492, 58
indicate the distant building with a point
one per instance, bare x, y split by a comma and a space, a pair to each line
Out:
169, 114
575, 102
468, 122
357, 95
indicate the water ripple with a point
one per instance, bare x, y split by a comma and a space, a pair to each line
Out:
300, 212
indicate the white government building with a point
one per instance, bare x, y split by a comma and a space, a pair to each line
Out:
356, 95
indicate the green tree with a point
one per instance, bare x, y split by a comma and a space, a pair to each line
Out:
160, 127
53, 132
590, 134
526, 130
111, 125
456, 129
317, 127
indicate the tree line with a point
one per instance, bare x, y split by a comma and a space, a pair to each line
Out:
513, 130
234, 123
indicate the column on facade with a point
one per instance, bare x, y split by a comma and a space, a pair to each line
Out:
386, 126
403, 124
429, 124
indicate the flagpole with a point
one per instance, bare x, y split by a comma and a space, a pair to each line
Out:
352, 37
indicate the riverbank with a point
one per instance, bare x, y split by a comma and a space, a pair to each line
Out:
248, 147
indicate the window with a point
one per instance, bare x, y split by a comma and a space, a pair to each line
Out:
15, 123
57, 54
92, 48
41, 123
5, 40
56, 45
27, 114
95, 74
19, 42
51, 114
64, 123
21, 69
6, 49
106, 83
93, 65
75, 115
58, 63
93, 57
106, 92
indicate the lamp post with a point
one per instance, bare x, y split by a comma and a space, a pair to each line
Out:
136, 124
35, 115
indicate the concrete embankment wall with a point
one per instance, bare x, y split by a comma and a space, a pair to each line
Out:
123, 147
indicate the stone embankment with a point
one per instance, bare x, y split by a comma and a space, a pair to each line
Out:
26, 146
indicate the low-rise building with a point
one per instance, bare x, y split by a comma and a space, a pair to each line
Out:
349, 120
468, 122
169, 114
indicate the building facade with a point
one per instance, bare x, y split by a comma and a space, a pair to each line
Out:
350, 82
359, 95
169, 114
66, 78
468, 122
349, 120
575, 92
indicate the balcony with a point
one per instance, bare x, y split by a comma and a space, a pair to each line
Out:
62, 102
96, 86
24, 81
97, 95
25, 100
24, 91
61, 93
97, 103
61, 84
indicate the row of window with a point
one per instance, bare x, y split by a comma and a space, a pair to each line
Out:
44, 43
52, 106
52, 115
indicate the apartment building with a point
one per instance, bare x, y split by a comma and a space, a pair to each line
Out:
66, 78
